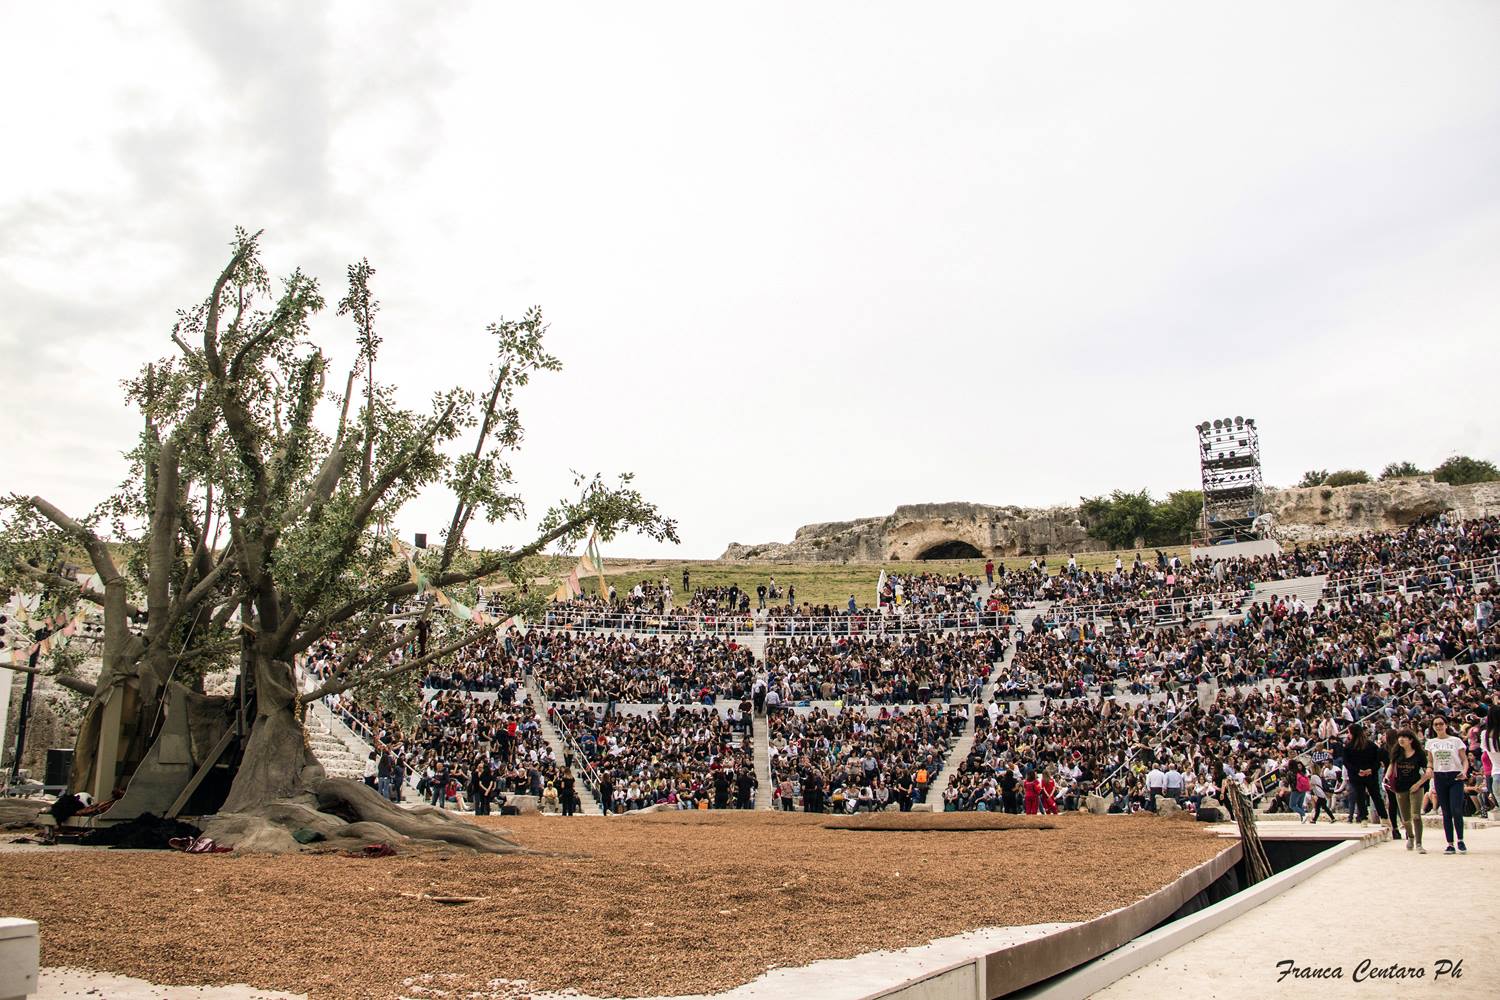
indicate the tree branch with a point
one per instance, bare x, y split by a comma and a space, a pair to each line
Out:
337, 686
164, 550
63, 680
211, 322
488, 568
98, 552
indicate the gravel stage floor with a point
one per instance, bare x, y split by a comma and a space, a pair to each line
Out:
664, 903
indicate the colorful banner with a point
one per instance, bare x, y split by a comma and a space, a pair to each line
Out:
59, 628
457, 608
589, 564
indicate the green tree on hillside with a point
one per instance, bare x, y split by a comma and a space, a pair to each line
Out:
1400, 470
1313, 477
1460, 470
1123, 517
1347, 477
1174, 519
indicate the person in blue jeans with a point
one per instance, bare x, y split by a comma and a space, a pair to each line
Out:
1300, 784
1448, 767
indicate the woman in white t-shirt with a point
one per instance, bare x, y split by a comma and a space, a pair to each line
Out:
1489, 743
1447, 767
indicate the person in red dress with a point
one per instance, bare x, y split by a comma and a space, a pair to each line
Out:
1048, 790
1032, 789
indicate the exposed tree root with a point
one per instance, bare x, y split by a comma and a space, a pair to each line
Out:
350, 816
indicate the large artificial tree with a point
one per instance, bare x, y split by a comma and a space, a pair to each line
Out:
249, 530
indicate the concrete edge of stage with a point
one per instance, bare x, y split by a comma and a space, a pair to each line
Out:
1114, 944
1092, 976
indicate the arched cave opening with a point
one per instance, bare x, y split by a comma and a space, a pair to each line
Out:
951, 550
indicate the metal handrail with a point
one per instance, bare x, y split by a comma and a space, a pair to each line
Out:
1398, 578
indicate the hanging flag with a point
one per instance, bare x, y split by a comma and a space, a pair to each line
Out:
592, 552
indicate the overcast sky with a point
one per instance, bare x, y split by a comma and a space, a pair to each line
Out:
801, 262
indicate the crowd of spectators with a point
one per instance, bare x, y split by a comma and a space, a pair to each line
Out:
683, 757
464, 749
849, 760
1257, 737
1283, 670
882, 670
1433, 554
687, 669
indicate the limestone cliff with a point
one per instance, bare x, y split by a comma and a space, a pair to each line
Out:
1325, 512
915, 531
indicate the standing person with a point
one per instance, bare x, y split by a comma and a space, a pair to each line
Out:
1033, 794
1362, 760
1447, 767
686, 590
744, 789
606, 792
1489, 745
1047, 793
484, 789
1388, 788
989, 571
567, 791
1320, 798
1406, 773
1301, 784
812, 792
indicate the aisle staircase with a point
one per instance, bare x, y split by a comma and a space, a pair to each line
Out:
1309, 588
588, 805
960, 751
762, 763
334, 745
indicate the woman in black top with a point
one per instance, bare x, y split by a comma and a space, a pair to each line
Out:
1362, 759
484, 789
1408, 770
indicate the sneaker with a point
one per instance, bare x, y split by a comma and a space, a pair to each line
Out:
1448, 849
1411, 845
1421, 849
1461, 848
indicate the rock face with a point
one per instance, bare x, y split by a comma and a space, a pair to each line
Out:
929, 530
1326, 512
972, 530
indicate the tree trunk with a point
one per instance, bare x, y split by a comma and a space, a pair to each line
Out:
276, 753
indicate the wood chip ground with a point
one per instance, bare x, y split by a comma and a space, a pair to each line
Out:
667, 903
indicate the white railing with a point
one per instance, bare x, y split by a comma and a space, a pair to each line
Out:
1170, 608
1479, 569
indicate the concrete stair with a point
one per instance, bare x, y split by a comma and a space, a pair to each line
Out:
960, 751
334, 745
588, 805
1309, 588
762, 763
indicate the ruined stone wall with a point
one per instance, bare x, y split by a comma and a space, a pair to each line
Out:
912, 529
1319, 512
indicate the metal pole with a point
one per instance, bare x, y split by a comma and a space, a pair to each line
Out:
25, 714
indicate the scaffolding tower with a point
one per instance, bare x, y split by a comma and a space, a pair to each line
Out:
1229, 456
